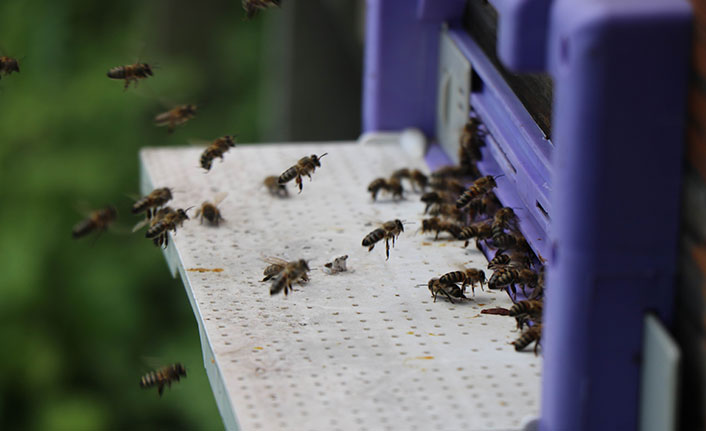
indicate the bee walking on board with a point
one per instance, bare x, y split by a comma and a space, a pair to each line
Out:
251, 7
176, 116
479, 231
8, 65
274, 187
210, 211
534, 333
469, 276
292, 272
416, 178
437, 198
154, 200
98, 221
479, 187
131, 73
390, 230
450, 290
305, 166
392, 186
168, 221
163, 377
216, 149
508, 277
437, 225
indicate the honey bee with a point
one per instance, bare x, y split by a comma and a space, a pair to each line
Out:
274, 187
156, 198
451, 291
210, 211
99, 221
275, 267
437, 197
500, 259
532, 334
505, 241
469, 276
437, 225
338, 265
516, 258
251, 7
416, 178
390, 230
292, 272
470, 143
509, 277
480, 231
131, 72
176, 116
504, 218
446, 210
305, 166
447, 185
156, 216
168, 221
8, 65
531, 307
216, 149
479, 187
163, 376
393, 186
452, 172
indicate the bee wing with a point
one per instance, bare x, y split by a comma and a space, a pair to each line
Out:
199, 142
274, 260
219, 198
139, 225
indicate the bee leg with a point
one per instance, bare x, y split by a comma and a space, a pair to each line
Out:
448, 296
127, 84
466, 243
437, 235
299, 183
161, 389
536, 344
435, 294
387, 248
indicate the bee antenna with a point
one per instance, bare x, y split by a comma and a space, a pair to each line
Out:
186, 210
498, 176
322, 155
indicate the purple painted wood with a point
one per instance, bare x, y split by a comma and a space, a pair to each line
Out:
620, 70
522, 33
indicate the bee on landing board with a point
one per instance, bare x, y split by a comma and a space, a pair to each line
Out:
216, 149
131, 73
8, 65
168, 221
392, 186
416, 178
479, 187
252, 7
532, 334
450, 290
150, 203
176, 116
469, 276
274, 187
98, 221
437, 225
292, 272
305, 166
480, 231
210, 211
508, 277
163, 377
390, 230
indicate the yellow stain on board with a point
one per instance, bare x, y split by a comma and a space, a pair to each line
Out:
424, 357
205, 270
257, 348
410, 332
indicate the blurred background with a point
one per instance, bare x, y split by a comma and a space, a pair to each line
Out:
81, 321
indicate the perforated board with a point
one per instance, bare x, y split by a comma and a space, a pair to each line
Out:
365, 349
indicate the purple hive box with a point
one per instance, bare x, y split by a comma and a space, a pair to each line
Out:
606, 187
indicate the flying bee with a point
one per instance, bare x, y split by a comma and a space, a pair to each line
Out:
479, 187
131, 73
479, 231
99, 221
447, 185
176, 116
451, 290
274, 187
292, 272
216, 149
163, 377
156, 198
390, 230
446, 210
251, 7
8, 65
469, 276
305, 166
157, 215
210, 211
509, 277
532, 334
392, 186
437, 197
169, 221
437, 225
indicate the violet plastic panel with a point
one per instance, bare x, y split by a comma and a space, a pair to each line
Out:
620, 70
522, 33
401, 62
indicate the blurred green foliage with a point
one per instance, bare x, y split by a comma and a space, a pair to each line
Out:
80, 320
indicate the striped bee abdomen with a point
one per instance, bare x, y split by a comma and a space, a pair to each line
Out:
288, 175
